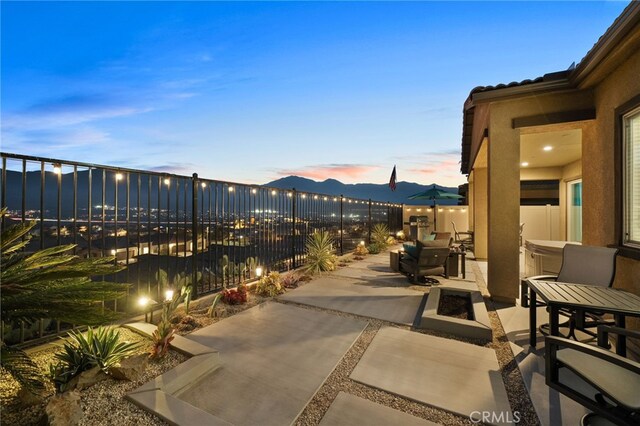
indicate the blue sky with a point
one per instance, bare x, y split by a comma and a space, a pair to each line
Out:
251, 92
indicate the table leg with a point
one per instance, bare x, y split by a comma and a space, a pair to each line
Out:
524, 293
554, 320
621, 342
532, 320
464, 275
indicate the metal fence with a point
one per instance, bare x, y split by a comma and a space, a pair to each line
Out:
213, 231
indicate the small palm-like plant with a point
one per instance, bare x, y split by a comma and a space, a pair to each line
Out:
49, 283
99, 347
320, 255
161, 337
380, 235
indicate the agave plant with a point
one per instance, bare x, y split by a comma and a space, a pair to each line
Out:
49, 283
380, 235
99, 347
320, 255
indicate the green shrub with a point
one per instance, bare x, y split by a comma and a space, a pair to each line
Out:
269, 285
374, 248
100, 347
380, 235
360, 250
320, 255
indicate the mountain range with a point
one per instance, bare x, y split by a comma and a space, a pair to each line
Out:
380, 192
13, 195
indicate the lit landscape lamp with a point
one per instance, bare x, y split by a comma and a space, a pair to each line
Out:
147, 305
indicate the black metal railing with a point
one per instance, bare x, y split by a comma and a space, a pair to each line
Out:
216, 232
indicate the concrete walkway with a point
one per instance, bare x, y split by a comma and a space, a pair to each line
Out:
551, 407
270, 360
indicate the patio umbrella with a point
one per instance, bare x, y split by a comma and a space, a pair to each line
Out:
434, 194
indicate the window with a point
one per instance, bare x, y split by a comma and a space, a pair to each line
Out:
631, 178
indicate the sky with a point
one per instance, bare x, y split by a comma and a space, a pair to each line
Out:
250, 92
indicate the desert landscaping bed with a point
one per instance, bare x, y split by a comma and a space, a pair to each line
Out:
104, 403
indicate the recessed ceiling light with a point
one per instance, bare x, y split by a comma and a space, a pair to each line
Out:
547, 148
524, 164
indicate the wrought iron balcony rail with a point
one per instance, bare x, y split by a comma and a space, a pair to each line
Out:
213, 230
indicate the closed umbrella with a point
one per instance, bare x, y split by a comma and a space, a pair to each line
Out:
434, 194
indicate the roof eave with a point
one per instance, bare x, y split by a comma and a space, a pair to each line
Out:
629, 18
527, 89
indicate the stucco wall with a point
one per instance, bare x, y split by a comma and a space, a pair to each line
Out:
599, 168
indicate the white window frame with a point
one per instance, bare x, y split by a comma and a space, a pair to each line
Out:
629, 209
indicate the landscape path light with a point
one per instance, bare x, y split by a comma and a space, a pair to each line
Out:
259, 271
57, 168
147, 305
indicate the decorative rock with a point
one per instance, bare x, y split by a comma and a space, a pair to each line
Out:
130, 368
64, 409
90, 377
27, 399
220, 312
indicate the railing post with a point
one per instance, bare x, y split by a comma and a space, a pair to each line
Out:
341, 226
369, 233
293, 227
389, 215
194, 235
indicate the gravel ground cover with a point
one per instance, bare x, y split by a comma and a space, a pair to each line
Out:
103, 404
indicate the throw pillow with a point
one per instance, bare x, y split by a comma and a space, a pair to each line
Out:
410, 249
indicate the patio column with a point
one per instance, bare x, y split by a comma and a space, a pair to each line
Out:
504, 208
470, 201
480, 212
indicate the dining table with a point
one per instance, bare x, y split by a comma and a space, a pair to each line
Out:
581, 299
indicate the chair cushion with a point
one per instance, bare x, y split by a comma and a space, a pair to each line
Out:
434, 243
429, 237
621, 384
411, 249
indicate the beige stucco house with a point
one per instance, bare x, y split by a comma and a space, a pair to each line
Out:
580, 126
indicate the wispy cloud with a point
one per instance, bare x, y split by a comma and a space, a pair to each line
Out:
49, 141
330, 171
172, 167
68, 111
439, 166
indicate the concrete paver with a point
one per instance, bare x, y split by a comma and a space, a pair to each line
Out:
349, 410
274, 357
458, 377
394, 304
552, 407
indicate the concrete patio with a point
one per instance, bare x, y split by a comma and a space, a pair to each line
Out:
267, 364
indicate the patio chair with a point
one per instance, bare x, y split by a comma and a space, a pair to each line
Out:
465, 239
614, 380
430, 260
580, 265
